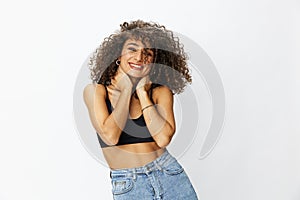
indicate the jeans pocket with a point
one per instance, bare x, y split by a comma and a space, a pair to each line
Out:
121, 186
173, 169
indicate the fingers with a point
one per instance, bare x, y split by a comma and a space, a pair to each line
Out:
122, 81
143, 82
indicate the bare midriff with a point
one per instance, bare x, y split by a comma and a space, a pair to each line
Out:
131, 155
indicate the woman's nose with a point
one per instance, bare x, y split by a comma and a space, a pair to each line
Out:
139, 55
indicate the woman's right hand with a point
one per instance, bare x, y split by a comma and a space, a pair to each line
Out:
121, 81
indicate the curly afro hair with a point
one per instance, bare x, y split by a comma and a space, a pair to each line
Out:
169, 66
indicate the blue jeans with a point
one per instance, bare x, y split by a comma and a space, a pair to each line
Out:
164, 178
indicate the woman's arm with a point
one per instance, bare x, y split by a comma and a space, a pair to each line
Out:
109, 126
159, 118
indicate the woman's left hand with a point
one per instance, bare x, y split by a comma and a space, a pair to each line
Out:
143, 85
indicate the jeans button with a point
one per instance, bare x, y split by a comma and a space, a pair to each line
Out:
147, 170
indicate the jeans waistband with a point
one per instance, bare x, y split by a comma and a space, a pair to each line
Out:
163, 160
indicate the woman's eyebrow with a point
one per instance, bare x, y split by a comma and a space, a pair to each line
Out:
131, 43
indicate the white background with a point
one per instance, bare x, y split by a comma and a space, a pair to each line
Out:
254, 45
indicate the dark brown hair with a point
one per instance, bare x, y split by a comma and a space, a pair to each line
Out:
169, 65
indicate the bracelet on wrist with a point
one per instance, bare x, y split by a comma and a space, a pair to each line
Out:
147, 107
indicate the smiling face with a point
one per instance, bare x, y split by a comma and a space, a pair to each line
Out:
136, 59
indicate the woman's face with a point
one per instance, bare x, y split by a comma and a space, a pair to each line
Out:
136, 59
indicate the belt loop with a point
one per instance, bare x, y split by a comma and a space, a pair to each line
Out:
134, 174
158, 166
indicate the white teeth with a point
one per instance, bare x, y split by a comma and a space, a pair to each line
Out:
136, 66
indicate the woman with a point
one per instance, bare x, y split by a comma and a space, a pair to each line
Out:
135, 73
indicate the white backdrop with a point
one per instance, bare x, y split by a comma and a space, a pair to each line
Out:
254, 45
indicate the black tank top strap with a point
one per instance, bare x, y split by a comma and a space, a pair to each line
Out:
108, 103
106, 91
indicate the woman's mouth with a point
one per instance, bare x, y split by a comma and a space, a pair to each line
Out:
135, 66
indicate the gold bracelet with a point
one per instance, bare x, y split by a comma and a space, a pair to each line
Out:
147, 107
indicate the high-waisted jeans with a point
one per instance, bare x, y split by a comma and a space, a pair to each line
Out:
164, 178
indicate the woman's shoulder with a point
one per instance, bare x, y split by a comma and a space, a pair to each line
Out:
161, 88
161, 91
93, 90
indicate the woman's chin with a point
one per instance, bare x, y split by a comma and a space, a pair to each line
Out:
134, 75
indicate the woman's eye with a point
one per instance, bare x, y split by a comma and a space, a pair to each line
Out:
132, 49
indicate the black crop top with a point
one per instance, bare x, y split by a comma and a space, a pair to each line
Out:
135, 130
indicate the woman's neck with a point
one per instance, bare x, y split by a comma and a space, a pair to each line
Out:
134, 81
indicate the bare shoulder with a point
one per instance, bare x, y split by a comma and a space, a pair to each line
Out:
161, 93
93, 90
